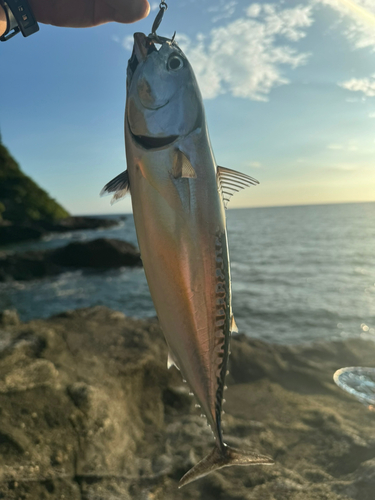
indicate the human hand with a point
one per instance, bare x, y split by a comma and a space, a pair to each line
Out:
3, 21
84, 13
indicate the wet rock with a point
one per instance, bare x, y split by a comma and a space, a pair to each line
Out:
101, 253
9, 317
15, 233
27, 266
40, 372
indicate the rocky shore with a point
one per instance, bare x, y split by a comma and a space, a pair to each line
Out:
16, 232
88, 410
99, 254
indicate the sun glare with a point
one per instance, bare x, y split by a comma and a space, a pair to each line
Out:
358, 10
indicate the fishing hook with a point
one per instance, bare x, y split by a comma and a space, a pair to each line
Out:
158, 19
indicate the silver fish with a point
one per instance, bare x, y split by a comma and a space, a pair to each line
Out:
179, 196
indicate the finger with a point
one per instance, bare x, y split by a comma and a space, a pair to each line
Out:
86, 13
128, 11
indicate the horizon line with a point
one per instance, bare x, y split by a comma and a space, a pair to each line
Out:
246, 208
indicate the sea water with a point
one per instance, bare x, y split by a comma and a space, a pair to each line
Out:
300, 273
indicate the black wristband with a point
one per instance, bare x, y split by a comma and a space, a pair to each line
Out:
19, 19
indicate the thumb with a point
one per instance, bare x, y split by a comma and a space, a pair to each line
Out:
125, 11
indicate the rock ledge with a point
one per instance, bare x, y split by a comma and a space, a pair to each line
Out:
88, 410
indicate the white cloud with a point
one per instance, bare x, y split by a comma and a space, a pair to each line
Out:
355, 99
224, 10
251, 164
128, 42
254, 10
351, 146
154, 6
255, 164
345, 167
361, 16
371, 115
364, 85
242, 57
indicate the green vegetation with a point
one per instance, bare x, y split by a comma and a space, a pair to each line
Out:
21, 200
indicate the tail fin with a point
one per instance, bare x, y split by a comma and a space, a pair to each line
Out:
225, 457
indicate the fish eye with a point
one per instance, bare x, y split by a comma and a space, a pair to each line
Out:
175, 62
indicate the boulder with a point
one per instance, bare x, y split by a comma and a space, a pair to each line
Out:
15, 233
27, 266
97, 254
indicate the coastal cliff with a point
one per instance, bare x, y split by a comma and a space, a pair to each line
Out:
21, 199
27, 212
90, 411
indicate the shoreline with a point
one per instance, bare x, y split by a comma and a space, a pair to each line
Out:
89, 409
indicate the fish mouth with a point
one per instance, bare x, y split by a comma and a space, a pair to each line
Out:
155, 108
143, 47
147, 142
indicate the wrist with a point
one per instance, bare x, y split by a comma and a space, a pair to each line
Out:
3, 20
19, 18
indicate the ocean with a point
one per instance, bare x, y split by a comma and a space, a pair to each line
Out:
299, 274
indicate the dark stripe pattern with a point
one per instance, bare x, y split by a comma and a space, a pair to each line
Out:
223, 323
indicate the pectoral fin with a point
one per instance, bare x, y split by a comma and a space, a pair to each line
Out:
231, 182
182, 168
119, 185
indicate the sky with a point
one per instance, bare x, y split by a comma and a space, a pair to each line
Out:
288, 87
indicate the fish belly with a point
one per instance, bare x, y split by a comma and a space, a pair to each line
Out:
180, 250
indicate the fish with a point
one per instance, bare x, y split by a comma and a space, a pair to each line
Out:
179, 196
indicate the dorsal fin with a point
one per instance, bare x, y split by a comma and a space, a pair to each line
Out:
119, 185
231, 182
182, 168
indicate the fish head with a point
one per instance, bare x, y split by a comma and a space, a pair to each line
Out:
163, 97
